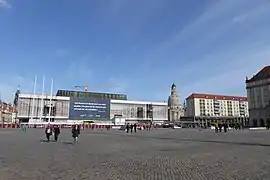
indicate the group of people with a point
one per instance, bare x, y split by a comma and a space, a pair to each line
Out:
131, 127
219, 127
52, 130
55, 131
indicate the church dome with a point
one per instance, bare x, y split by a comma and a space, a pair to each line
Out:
173, 99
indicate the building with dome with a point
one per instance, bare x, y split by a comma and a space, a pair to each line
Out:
175, 109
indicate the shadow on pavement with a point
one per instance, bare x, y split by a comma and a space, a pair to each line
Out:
215, 141
45, 140
190, 140
67, 143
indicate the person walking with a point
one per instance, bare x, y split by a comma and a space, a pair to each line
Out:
23, 128
127, 128
131, 128
56, 131
135, 127
76, 132
48, 132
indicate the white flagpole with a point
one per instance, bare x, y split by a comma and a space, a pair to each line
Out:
33, 102
1, 103
42, 99
1, 107
50, 108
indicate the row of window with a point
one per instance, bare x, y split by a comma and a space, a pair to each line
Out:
259, 96
91, 95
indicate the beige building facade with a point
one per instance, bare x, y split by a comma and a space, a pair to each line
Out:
7, 113
258, 92
212, 108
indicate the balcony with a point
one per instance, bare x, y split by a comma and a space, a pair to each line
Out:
216, 102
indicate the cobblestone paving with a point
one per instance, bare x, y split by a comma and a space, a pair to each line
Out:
184, 154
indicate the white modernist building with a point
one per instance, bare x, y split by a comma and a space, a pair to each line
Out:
34, 108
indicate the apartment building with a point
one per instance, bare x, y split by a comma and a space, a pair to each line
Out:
211, 107
258, 92
7, 113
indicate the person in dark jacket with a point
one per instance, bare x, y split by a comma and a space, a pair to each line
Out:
127, 127
225, 126
76, 132
131, 128
48, 132
56, 131
135, 127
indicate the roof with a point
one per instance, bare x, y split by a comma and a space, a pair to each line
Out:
218, 97
96, 95
114, 101
264, 73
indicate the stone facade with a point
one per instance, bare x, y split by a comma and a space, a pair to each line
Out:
175, 110
7, 112
258, 92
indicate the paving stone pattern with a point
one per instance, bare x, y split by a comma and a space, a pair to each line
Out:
181, 154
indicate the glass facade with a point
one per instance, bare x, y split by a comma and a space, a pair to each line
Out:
139, 111
60, 109
28, 106
93, 95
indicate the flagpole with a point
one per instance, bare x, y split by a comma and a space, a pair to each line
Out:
1, 103
50, 108
33, 103
1, 107
42, 99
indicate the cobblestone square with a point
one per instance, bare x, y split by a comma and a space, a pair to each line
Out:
184, 154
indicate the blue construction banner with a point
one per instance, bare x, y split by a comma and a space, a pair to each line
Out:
89, 109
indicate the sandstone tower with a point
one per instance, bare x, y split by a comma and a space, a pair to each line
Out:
175, 109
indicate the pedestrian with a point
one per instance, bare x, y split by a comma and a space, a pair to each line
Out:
76, 132
56, 131
23, 128
216, 128
131, 128
127, 127
135, 127
48, 132
225, 127
220, 127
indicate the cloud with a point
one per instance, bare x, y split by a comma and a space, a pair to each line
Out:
213, 23
217, 54
8, 86
5, 4
228, 61
240, 18
231, 77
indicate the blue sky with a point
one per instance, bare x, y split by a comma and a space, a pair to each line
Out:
136, 47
